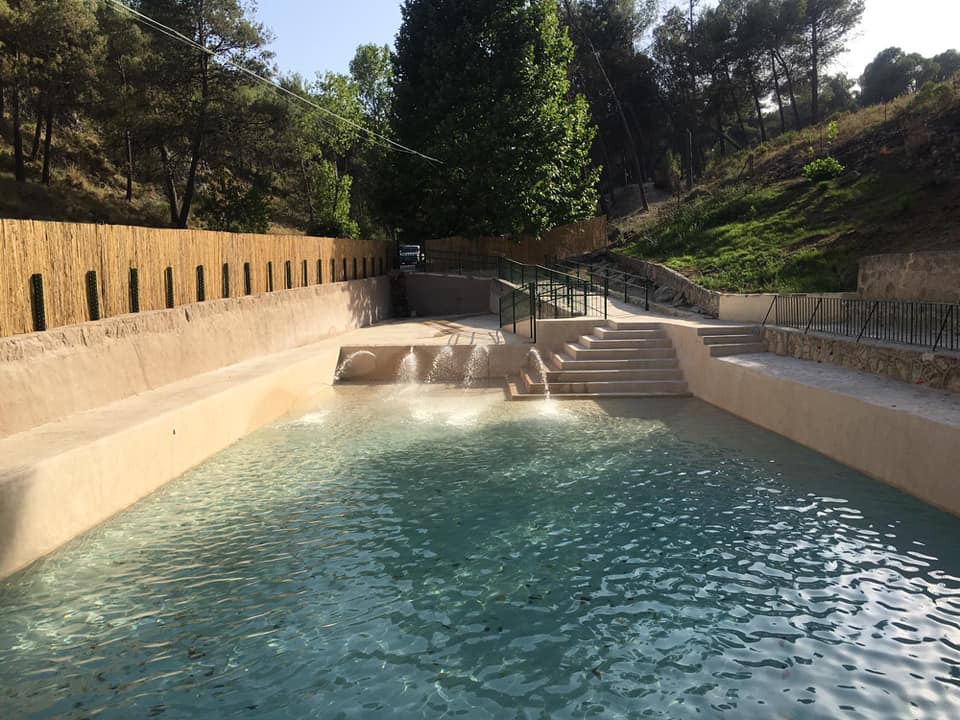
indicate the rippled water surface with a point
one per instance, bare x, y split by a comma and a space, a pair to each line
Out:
453, 555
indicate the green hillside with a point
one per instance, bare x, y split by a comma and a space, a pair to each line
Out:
757, 224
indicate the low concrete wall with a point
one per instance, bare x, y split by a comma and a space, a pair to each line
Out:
492, 362
662, 276
915, 453
97, 363
744, 308
940, 370
927, 276
435, 295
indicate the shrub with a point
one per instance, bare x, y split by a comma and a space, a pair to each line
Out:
825, 168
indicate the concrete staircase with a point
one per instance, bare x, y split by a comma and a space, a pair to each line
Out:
732, 340
619, 359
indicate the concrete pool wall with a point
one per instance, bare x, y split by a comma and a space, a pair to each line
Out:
108, 412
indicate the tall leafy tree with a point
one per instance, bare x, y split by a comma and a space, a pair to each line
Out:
482, 86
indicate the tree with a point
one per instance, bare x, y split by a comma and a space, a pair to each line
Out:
948, 63
482, 86
194, 88
828, 22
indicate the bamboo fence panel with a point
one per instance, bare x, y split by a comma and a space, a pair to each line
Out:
64, 253
561, 242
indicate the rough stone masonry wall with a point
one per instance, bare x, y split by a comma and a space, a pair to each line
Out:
662, 276
939, 371
926, 276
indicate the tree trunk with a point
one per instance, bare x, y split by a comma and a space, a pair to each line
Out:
197, 148
47, 139
756, 103
814, 71
128, 136
37, 132
308, 191
20, 170
793, 99
776, 91
3, 101
170, 187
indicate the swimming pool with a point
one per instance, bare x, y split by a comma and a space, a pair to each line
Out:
444, 553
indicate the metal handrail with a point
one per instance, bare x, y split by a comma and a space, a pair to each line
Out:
912, 323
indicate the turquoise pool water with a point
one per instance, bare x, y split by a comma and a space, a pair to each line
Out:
452, 555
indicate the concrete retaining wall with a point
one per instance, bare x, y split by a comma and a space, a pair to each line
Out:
430, 294
927, 276
940, 370
49, 375
493, 362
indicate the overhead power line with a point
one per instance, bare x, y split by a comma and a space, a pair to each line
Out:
180, 37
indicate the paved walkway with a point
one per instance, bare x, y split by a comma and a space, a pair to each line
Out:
450, 330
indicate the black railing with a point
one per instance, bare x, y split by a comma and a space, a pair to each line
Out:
923, 324
518, 311
632, 287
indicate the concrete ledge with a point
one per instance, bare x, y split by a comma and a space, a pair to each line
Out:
62, 479
97, 363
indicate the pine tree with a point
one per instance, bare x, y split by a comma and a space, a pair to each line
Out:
482, 85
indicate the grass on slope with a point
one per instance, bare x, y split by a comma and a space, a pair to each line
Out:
794, 235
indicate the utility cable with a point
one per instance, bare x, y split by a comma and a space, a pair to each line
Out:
180, 37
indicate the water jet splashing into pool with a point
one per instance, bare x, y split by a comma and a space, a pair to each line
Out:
542, 370
442, 365
347, 362
476, 366
409, 373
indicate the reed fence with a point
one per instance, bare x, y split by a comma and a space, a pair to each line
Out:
56, 274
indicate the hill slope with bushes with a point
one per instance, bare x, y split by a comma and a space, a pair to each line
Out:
765, 220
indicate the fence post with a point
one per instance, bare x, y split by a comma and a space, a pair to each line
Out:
646, 296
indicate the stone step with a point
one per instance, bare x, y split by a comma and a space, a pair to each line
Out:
565, 362
605, 387
611, 334
730, 339
559, 376
580, 352
591, 341
736, 349
633, 325
752, 330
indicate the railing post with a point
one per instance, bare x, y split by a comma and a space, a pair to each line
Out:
769, 310
606, 293
873, 309
646, 296
626, 298
815, 311
943, 327
533, 312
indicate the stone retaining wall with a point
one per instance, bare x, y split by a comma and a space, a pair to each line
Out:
926, 276
707, 300
935, 370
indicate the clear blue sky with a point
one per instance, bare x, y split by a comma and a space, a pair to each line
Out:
317, 35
